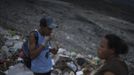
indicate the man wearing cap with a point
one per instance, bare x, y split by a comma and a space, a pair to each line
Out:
41, 61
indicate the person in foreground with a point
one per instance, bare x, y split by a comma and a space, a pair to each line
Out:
111, 47
41, 63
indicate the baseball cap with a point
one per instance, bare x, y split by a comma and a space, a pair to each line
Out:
49, 21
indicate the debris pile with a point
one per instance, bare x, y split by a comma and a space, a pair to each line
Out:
65, 62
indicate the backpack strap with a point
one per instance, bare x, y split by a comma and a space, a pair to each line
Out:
35, 35
36, 38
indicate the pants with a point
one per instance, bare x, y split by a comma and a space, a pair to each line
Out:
48, 73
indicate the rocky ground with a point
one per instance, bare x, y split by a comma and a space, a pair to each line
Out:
80, 28
1, 41
122, 9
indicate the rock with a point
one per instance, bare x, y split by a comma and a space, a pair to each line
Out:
96, 60
2, 58
56, 72
79, 56
1, 73
90, 56
1, 40
18, 45
72, 66
79, 73
81, 61
19, 69
16, 37
9, 43
12, 32
5, 51
63, 52
73, 54
3, 31
12, 50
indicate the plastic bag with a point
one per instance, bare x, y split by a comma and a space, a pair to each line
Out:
19, 69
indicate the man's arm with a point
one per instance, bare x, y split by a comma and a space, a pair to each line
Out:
34, 52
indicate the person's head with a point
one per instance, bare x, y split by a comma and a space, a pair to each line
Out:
47, 24
112, 45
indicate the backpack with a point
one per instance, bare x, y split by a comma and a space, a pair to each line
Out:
26, 52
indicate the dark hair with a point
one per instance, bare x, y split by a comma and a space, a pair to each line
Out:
117, 43
43, 22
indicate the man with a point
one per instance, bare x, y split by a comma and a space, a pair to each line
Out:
111, 47
41, 61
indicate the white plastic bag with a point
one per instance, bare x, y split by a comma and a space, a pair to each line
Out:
19, 69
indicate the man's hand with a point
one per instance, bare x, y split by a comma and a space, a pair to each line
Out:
54, 51
45, 42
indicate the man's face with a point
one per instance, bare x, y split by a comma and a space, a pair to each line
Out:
104, 51
46, 31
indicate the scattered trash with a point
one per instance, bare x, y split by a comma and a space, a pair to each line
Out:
64, 62
73, 54
72, 66
11, 32
18, 69
63, 51
79, 73
18, 45
9, 43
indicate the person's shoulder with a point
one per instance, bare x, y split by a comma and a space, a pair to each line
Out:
32, 36
33, 33
116, 66
116, 62
109, 73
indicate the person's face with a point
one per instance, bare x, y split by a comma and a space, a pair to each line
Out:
104, 51
46, 31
